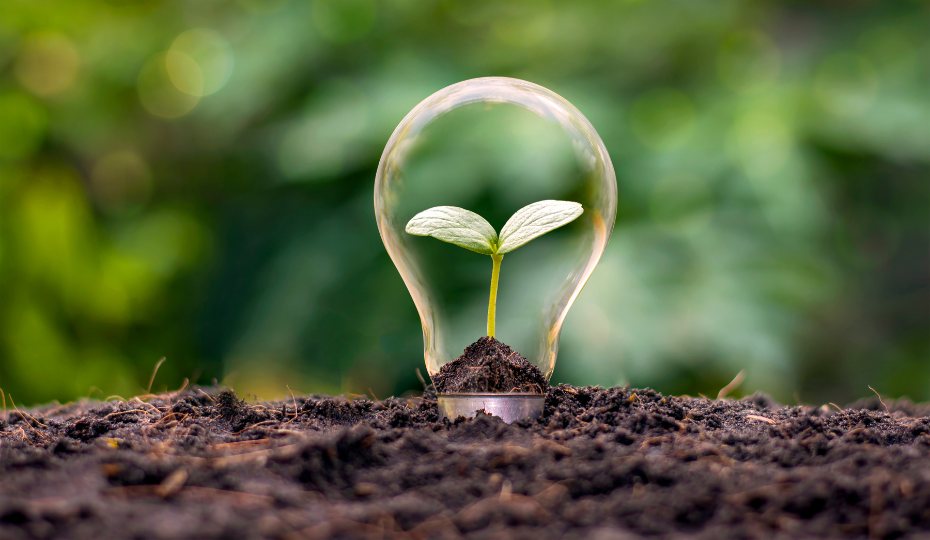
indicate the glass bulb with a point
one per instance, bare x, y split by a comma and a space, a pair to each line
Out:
493, 146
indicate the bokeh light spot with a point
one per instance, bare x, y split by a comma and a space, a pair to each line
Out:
121, 181
663, 118
157, 91
212, 55
761, 142
846, 84
48, 63
184, 73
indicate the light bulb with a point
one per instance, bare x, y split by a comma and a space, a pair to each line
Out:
466, 160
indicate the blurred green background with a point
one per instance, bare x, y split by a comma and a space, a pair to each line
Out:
193, 179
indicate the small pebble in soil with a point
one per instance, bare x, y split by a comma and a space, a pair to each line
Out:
489, 366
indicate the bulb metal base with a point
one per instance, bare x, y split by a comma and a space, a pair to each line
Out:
508, 407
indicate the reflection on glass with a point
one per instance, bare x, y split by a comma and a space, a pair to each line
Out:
539, 147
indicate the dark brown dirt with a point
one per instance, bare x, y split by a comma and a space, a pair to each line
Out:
489, 366
601, 463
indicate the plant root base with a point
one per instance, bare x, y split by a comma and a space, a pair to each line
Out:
491, 367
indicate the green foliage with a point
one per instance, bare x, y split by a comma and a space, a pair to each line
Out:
456, 226
535, 220
469, 230
771, 163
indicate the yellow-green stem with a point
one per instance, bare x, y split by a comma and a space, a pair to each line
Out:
492, 303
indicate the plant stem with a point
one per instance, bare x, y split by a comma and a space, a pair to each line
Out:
492, 303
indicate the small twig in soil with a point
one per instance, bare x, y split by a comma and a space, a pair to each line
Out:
125, 412
295, 405
28, 417
154, 408
206, 395
25, 415
761, 419
152, 380
4, 403
179, 390
839, 409
172, 483
653, 440
732, 386
56, 410
164, 395
880, 400
422, 380
167, 416
121, 398
373, 396
265, 423
239, 444
506, 491
174, 423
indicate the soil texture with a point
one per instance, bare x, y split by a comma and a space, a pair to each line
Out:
604, 464
489, 366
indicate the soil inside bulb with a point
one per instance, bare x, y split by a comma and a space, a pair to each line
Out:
489, 366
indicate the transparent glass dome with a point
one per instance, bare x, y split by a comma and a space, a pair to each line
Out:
492, 146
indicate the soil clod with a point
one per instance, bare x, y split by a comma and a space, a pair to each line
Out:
600, 463
489, 366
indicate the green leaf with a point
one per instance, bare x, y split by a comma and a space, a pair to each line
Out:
536, 220
456, 226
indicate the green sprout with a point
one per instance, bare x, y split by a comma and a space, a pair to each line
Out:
469, 230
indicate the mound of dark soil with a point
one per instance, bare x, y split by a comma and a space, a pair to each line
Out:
601, 463
489, 366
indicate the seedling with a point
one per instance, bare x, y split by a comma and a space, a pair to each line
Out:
469, 230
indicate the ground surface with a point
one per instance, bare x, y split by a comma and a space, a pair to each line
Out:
488, 365
602, 463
